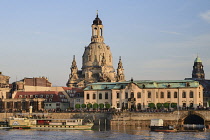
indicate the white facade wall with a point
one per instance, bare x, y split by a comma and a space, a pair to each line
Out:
116, 102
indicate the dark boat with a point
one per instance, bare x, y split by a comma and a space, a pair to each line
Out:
157, 126
162, 129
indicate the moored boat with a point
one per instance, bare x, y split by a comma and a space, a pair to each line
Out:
157, 126
25, 123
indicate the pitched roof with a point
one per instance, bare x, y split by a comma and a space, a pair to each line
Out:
143, 84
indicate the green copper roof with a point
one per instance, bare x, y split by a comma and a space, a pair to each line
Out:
146, 84
198, 59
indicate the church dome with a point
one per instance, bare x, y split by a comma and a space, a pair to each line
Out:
198, 59
97, 21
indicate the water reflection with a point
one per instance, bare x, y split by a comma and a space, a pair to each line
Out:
112, 132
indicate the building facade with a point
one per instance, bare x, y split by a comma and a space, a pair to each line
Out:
97, 62
141, 94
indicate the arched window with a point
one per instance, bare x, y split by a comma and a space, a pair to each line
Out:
139, 95
95, 31
191, 94
183, 94
106, 95
94, 96
149, 94
101, 30
132, 95
88, 96
100, 96
162, 95
168, 94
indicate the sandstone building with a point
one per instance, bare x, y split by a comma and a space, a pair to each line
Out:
141, 94
97, 62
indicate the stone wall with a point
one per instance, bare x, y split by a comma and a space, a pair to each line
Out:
125, 118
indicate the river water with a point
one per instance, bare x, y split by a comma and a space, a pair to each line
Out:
113, 133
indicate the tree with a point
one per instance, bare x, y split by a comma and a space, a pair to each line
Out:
174, 105
107, 106
89, 105
166, 105
159, 105
77, 106
83, 106
151, 105
101, 105
95, 106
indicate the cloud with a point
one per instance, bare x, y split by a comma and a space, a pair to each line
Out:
169, 32
206, 16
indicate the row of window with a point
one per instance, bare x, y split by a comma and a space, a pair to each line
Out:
99, 96
149, 95
162, 95
35, 96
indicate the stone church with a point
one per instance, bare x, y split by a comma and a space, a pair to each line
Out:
97, 62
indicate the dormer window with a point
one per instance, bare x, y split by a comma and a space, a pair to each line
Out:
31, 96
36, 96
47, 96
41, 96
20, 96
51, 96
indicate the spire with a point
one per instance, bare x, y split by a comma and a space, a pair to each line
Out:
96, 13
120, 63
120, 71
74, 63
73, 77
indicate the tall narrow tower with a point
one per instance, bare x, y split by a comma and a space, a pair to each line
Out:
73, 77
198, 71
120, 72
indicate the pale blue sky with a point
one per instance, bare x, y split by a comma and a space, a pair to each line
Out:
158, 40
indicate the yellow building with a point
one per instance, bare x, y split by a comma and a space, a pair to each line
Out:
145, 94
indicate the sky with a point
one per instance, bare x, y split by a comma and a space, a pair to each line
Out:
157, 40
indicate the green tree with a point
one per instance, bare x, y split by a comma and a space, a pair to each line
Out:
77, 106
174, 105
83, 105
89, 105
101, 105
95, 106
151, 105
166, 105
107, 106
159, 105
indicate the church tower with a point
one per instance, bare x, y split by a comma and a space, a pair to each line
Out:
73, 77
96, 61
120, 72
97, 58
198, 72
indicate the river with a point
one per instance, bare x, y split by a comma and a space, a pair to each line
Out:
113, 133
